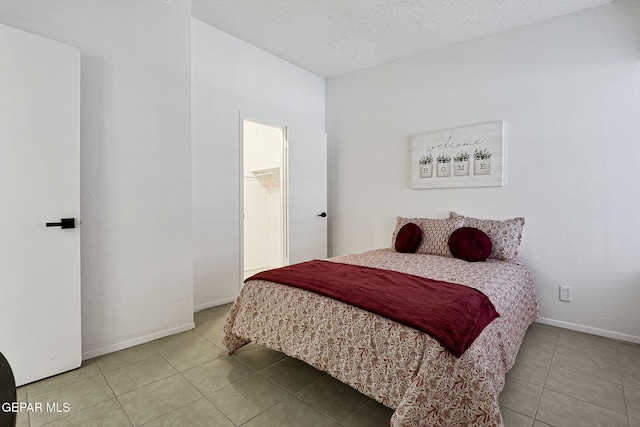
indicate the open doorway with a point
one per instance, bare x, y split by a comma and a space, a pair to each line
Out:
264, 201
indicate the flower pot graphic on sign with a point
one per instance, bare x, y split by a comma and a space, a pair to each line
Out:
482, 162
444, 165
461, 164
426, 166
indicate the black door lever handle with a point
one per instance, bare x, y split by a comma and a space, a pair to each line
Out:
323, 214
64, 223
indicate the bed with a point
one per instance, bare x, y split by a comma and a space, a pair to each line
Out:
399, 366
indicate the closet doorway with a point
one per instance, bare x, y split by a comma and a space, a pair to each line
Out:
264, 197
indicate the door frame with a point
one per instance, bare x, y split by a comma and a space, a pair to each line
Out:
284, 185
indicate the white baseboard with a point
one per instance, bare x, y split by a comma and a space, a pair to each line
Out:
590, 330
141, 340
210, 304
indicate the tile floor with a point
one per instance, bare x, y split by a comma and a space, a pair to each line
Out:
561, 378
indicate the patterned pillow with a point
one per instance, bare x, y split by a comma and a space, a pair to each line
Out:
505, 235
435, 234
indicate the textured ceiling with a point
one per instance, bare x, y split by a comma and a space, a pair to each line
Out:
333, 37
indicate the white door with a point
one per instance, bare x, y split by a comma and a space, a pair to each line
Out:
307, 195
39, 184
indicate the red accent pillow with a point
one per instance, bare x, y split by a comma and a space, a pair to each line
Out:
470, 244
408, 238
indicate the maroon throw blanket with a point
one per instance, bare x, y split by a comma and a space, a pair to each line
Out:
453, 314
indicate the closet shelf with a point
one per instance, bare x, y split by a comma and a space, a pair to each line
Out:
269, 178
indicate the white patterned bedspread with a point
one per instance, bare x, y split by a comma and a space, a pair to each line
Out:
399, 366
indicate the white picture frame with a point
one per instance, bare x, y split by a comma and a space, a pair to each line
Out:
469, 156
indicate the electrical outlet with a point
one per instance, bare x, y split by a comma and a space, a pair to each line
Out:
565, 293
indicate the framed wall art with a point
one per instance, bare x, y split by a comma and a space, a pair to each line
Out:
469, 156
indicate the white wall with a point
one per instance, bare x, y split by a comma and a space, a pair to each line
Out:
135, 161
568, 91
230, 78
